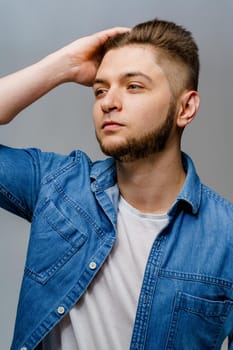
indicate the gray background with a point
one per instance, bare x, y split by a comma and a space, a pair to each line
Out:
61, 121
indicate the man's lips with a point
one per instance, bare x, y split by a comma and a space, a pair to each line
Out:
111, 125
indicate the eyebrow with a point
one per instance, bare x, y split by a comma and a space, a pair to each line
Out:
125, 76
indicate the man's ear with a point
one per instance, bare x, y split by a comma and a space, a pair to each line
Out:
187, 108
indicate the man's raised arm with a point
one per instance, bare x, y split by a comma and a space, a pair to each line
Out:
76, 62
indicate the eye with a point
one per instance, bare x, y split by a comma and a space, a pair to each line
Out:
135, 86
100, 91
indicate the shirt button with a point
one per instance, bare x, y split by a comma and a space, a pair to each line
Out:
92, 265
23, 348
61, 310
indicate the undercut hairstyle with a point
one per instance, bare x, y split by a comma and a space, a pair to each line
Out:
175, 50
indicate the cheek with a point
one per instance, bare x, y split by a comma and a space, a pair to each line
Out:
148, 112
157, 109
152, 103
95, 113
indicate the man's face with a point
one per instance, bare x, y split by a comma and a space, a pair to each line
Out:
134, 110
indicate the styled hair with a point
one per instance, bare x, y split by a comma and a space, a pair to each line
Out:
174, 46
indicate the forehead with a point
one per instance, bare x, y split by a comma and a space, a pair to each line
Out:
147, 59
131, 57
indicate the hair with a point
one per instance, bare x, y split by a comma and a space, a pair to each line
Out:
175, 50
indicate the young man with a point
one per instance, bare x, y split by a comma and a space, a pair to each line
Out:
132, 252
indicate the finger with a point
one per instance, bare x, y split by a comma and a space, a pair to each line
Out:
108, 33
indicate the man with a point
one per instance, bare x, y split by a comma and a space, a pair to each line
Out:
131, 252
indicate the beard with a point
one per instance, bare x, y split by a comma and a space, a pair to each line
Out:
142, 146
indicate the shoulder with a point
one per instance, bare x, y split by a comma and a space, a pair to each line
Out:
216, 208
215, 198
42, 163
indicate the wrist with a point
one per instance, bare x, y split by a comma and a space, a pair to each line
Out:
59, 67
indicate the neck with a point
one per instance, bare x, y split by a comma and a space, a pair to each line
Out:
151, 184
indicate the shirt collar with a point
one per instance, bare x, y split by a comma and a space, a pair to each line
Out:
191, 190
103, 176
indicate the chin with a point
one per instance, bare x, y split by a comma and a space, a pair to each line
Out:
110, 147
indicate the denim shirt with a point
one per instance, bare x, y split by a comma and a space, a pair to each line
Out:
186, 299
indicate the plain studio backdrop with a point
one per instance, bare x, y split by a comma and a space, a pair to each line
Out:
62, 120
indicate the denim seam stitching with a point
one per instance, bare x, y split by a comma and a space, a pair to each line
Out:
195, 277
84, 214
14, 200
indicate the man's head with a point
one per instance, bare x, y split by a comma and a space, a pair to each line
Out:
175, 50
145, 89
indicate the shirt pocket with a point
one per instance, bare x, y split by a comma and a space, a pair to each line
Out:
197, 323
54, 240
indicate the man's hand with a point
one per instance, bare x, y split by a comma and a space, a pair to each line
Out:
85, 54
76, 62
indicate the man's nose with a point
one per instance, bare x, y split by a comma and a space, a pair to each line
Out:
111, 101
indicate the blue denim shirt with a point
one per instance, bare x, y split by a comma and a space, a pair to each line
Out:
186, 299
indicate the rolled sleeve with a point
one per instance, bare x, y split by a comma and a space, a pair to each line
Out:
19, 180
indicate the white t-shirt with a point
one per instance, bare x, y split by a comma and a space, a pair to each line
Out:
104, 317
